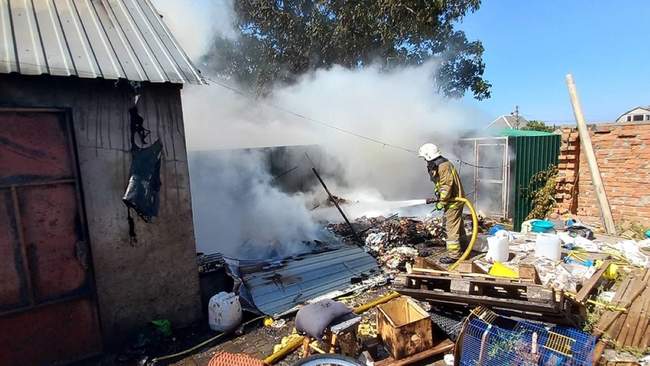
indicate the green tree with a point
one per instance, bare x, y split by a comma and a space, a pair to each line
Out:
283, 39
535, 125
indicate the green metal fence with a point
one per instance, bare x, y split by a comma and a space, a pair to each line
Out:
531, 154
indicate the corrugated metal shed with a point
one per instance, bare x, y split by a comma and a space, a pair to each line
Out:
533, 154
110, 39
276, 290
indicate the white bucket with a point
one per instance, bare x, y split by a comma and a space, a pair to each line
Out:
548, 246
224, 312
497, 249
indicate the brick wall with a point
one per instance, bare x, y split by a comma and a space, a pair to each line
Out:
623, 155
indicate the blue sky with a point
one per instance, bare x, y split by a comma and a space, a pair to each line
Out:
530, 45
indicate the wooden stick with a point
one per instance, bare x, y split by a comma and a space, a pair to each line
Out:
643, 323
585, 141
588, 286
442, 347
354, 233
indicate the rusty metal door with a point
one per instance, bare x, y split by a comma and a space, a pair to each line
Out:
48, 311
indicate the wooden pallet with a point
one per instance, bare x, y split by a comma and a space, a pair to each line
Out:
469, 289
632, 327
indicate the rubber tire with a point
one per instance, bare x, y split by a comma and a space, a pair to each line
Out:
306, 361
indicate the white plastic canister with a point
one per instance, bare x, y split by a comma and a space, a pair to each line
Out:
497, 248
548, 246
224, 312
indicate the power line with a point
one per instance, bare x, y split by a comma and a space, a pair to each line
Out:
313, 120
478, 166
329, 125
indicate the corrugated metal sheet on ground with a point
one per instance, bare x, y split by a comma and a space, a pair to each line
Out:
110, 39
279, 289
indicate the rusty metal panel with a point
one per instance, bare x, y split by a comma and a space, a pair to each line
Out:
56, 332
50, 221
11, 286
33, 147
47, 306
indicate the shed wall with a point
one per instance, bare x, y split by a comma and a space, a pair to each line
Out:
157, 276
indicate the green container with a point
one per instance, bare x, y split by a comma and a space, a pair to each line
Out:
529, 155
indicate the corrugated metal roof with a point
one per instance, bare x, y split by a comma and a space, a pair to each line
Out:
277, 290
110, 39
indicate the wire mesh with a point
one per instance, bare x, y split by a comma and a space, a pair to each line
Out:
507, 342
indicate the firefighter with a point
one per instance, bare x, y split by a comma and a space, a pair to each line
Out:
447, 187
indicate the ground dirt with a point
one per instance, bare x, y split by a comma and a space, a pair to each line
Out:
259, 341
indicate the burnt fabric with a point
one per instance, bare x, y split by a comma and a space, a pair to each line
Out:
142, 192
447, 187
314, 318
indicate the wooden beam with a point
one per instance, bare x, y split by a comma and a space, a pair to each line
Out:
442, 347
585, 141
440, 297
590, 284
416, 270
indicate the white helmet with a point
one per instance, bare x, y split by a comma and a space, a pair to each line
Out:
429, 152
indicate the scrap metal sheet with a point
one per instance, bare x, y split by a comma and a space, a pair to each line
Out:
276, 289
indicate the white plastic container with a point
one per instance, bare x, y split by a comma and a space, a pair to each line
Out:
497, 248
548, 246
224, 312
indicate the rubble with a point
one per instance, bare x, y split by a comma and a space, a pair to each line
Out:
548, 298
395, 241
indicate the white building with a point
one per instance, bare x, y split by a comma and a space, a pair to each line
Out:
508, 121
638, 114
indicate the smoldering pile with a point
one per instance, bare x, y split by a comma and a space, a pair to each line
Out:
395, 241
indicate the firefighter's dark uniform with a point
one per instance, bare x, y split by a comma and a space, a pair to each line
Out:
447, 187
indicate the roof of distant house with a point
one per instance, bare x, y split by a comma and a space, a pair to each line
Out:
509, 121
647, 108
116, 39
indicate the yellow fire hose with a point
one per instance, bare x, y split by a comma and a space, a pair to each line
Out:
297, 341
474, 232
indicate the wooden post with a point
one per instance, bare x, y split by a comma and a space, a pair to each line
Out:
585, 141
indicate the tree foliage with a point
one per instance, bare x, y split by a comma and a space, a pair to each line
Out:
280, 40
535, 125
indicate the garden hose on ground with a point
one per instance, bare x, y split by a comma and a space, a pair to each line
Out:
474, 232
200, 345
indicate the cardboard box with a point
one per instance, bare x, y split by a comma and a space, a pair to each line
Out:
404, 327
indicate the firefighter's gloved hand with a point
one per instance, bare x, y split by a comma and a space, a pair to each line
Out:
431, 201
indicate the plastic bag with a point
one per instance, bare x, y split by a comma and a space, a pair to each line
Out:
144, 184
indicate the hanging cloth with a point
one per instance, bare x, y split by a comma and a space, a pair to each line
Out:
142, 192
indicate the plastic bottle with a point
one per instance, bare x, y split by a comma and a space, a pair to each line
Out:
548, 246
224, 312
497, 248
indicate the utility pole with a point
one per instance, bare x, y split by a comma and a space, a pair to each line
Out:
516, 114
587, 147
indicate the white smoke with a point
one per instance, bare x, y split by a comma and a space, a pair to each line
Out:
400, 107
239, 208
196, 23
